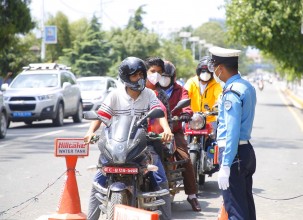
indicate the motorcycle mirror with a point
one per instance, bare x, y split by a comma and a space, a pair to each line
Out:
181, 104
92, 115
154, 113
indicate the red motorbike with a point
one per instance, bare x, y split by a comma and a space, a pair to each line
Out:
203, 148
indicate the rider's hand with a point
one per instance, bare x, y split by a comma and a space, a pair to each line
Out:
88, 137
185, 117
167, 135
223, 177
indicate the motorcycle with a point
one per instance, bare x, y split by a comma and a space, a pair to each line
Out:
260, 85
126, 162
203, 148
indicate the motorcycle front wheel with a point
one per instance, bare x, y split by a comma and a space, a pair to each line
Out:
116, 198
200, 178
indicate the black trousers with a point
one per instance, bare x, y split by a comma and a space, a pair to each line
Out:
238, 198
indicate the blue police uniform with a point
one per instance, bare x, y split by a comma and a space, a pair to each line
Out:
236, 114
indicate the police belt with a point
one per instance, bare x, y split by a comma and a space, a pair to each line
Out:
222, 143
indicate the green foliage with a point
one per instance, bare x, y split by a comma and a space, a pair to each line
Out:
89, 55
54, 51
270, 25
14, 19
136, 22
20, 53
182, 59
213, 32
130, 42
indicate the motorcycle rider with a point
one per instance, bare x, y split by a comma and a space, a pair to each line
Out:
133, 100
203, 90
175, 93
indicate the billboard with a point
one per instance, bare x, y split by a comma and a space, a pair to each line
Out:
50, 34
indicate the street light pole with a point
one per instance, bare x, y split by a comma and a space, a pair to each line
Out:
184, 35
193, 45
201, 44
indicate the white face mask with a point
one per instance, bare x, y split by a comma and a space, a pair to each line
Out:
217, 78
164, 81
205, 76
153, 78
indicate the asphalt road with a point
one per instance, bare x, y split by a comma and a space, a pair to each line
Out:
29, 169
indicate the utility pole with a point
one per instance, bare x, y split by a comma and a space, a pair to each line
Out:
42, 35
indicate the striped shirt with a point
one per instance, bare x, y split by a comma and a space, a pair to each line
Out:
118, 102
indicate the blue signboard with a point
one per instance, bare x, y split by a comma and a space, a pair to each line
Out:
50, 34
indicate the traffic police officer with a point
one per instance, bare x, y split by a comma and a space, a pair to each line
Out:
236, 114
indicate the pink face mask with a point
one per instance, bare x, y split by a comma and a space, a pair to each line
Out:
153, 78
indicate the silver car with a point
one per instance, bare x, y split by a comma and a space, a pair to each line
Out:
43, 91
94, 89
3, 117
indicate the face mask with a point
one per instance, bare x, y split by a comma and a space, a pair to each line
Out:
205, 76
153, 78
164, 81
217, 78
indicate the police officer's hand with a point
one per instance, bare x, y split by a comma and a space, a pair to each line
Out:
185, 117
223, 177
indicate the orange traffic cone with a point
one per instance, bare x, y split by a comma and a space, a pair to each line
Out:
69, 204
124, 212
223, 215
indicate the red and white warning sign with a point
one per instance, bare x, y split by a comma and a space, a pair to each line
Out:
70, 147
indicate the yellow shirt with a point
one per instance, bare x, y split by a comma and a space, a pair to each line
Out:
209, 97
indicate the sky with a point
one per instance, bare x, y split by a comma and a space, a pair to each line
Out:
163, 16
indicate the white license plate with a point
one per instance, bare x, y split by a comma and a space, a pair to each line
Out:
122, 170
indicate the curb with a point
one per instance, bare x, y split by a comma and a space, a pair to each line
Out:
296, 101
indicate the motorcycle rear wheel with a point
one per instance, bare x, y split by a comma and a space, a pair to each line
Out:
116, 198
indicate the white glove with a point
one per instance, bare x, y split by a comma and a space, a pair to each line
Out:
223, 177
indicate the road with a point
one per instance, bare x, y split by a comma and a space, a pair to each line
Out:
29, 169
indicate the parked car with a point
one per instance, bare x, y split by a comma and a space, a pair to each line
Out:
3, 117
43, 91
94, 89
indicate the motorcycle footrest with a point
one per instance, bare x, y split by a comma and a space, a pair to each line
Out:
175, 179
154, 203
100, 197
100, 188
175, 162
102, 208
157, 193
180, 170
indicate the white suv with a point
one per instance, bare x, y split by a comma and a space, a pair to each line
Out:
43, 91
3, 118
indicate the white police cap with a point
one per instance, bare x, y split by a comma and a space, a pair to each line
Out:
224, 52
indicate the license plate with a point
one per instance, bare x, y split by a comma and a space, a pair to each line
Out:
22, 114
122, 170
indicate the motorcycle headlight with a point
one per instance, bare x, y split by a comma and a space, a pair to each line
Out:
197, 121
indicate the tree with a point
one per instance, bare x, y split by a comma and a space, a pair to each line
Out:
270, 25
14, 19
22, 51
54, 51
182, 59
130, 42
212, 32
136, 22
89, 55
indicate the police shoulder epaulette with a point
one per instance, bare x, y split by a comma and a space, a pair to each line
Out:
230, 89
233, 91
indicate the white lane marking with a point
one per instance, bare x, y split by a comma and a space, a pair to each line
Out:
46, 134
36, 137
